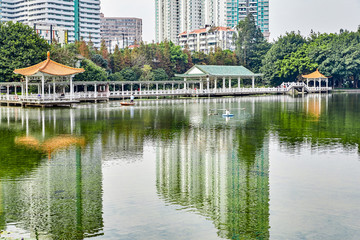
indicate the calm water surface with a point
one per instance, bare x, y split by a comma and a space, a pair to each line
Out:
281, 168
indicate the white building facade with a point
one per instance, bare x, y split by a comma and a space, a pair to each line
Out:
176, 16
80, 17
207, 39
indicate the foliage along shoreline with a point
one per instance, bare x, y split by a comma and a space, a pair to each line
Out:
336, 55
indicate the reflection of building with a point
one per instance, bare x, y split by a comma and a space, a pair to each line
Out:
61, 198
205, 170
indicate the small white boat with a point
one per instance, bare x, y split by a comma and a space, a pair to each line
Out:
228, 115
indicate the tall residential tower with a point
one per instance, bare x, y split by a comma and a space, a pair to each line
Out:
177, 16
80, 17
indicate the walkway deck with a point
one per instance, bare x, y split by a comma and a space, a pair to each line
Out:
61, 100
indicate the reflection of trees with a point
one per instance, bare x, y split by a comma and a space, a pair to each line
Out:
204, 170
61, 199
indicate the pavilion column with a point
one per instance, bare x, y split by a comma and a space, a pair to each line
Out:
253, 82
307, 82
42, 86
131, 88
26, 86
54, 89
185, 84
239, 82
107, 90
230, 83
172, 88
85, 88
208, 84
122, 89
39, 90
95, 90
157, 88
71, 88
140, 89
201, 85
22, 89
7, 92
224, 84
215, 86
327, 83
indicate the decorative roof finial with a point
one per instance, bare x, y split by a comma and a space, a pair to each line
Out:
48, 55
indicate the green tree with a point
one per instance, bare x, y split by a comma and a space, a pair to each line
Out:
159, 75
99, 60
128, 74
116, 77
20, 47
251, 45
146, 73
92, 72
283, 47
66, 55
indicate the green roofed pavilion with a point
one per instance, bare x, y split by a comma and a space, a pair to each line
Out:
214, 72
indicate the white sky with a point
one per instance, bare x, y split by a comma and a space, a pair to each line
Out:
285, 15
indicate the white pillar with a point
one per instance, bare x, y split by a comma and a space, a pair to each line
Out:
140, 89
215, 84
71, 88
26, 86
229, 82
239, 79
131, 88
224, 84
208, 84
42, 86
22, 89
95, 90
54, 91
184, 83
327, 83
253, 82
307, 82
7, 92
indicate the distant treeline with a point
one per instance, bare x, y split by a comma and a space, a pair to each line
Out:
286, 59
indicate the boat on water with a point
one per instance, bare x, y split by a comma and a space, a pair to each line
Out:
228, 115
127, 103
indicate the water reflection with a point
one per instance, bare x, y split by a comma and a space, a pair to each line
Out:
58, 196
51, 160
204, 171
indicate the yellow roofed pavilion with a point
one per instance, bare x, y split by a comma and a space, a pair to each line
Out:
49, 67
316, 77
315, 74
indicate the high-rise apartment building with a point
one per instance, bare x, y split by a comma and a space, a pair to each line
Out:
176, 16
80, 17
237, 10
120, 31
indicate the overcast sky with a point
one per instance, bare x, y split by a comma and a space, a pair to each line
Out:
285, 15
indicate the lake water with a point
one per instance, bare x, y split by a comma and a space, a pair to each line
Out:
282, 168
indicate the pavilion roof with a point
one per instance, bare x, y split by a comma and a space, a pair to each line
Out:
49, 67
218, 71
315, 74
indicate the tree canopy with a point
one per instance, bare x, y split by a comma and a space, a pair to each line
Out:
20, 47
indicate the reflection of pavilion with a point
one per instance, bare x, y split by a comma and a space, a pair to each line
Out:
209, 175
61, 199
